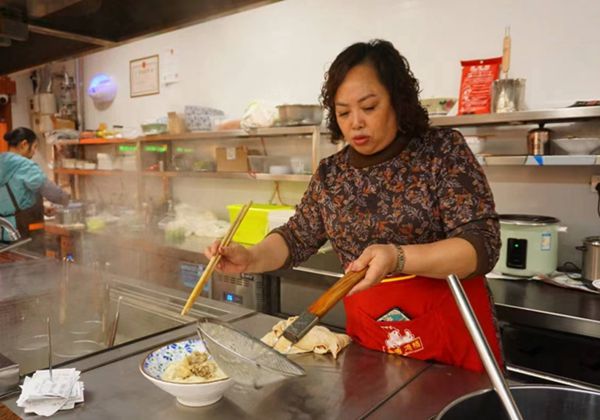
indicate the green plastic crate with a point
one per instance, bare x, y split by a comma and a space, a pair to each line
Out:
255, 225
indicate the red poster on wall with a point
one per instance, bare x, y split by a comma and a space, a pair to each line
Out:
476, 85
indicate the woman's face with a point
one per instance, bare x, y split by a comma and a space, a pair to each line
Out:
364, 111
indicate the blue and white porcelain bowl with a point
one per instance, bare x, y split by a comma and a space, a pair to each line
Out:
190, 394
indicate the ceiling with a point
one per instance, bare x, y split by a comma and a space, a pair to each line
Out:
40, 31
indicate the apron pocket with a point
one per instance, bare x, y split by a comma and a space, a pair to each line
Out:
419, 338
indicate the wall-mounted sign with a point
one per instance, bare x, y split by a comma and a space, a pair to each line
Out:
144, 77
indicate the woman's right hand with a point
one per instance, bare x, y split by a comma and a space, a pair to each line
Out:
234, 258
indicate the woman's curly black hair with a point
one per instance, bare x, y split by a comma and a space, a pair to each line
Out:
394, 73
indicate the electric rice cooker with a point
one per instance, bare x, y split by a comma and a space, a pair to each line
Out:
529, 245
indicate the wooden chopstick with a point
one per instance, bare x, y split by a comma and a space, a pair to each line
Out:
215, 259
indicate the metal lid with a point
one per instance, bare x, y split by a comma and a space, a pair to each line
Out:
528, 219
592, 240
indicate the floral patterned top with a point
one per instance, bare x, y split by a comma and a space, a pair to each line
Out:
416, 191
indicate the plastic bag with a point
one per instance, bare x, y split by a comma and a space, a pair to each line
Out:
258, 114
476, 85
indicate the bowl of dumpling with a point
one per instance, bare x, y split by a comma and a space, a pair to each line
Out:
185, 370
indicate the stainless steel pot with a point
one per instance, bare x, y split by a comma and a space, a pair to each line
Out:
535, 402
590, 269
300, 114
530, 402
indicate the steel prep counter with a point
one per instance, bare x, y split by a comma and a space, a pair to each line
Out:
360, 383
81, 304
356, 385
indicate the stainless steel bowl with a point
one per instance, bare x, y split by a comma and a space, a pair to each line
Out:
300, 114
534, 401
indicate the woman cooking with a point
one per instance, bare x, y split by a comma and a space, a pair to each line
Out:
402, 197
23, 184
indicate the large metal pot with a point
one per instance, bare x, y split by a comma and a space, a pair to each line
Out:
535, 402
590, 269
300, 114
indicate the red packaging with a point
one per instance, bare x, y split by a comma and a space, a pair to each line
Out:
476, 85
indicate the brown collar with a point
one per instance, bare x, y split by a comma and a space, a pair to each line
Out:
360, 161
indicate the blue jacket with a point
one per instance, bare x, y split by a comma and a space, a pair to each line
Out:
25, 178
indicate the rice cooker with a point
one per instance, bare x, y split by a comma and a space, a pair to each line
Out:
529, 245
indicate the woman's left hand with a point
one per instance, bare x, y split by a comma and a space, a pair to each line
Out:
380, 260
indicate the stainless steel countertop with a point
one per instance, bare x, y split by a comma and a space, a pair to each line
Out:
430, 392
537, 304
527, 302
81, 304
352, 386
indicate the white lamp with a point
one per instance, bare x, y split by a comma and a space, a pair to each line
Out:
102, 88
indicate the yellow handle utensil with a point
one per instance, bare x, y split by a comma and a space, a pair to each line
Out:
397, 278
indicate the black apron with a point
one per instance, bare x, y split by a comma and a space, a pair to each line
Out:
30, 219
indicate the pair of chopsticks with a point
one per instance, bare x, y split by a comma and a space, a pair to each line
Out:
215, 259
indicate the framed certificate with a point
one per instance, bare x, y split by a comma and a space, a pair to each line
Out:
143, 76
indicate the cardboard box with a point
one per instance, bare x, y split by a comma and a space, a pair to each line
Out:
62, 123
232, 159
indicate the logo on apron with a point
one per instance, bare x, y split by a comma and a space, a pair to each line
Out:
401, 343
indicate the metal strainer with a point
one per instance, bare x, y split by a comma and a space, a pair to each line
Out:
245, 359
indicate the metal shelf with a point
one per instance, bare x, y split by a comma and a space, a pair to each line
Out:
91, 172
538, 160
520, 118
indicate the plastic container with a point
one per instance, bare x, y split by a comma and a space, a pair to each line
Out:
300, 164
154, 129
257, 163
262, 164
280, 169
256, 223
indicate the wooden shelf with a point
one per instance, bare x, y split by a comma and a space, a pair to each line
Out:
228, 175
305, 130
187, 174
543, 116
99, 141
91, 172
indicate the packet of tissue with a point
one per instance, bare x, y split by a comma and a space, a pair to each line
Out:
44, 396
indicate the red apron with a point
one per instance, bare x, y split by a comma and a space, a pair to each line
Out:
435, 331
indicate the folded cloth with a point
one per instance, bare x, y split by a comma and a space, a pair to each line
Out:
319, 340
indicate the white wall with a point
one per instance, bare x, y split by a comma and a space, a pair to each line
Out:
280, 52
